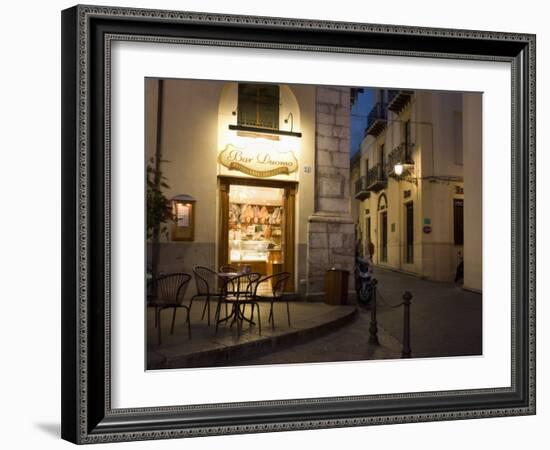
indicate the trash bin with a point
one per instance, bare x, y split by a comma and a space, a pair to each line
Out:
336, 286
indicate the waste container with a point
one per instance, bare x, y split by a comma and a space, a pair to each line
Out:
336, 286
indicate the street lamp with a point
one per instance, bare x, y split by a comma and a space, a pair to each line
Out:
398, 169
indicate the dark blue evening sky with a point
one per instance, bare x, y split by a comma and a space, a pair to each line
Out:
358, 120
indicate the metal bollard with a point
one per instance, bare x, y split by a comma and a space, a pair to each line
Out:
406, 352
373, 329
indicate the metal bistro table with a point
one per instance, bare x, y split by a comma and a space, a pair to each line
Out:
238, 290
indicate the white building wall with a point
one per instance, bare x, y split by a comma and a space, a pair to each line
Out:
472, 137
436, 130
440, 176
190, 144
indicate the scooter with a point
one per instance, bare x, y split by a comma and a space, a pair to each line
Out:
363, 280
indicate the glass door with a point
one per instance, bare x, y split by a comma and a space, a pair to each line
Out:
256, 228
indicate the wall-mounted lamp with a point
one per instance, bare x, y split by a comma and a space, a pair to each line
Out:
401, 172
291, 117
258, 130
398, 169
401, 162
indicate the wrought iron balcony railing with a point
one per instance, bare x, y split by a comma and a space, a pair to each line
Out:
376, 120
398, 99
361, 191
377, 178
402, 154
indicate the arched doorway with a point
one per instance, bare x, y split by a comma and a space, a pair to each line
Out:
383, 228
257, 182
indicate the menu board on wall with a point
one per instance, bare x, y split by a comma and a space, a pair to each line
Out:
182, 215
183, 225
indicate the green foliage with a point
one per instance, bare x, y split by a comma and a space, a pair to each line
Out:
158, 207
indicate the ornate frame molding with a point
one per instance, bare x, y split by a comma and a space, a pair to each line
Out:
86, 258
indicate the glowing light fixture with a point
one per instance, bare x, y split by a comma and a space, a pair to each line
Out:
398, 169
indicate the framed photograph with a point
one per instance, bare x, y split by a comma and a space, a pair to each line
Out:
267, 222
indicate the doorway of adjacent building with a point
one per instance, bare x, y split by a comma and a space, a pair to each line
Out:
458, 221
257, 226
368, 236
409, 233
384, 236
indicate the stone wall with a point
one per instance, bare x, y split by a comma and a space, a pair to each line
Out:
331, 231
332, 150
331, 244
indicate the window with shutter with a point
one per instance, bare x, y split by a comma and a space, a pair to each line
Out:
258, 105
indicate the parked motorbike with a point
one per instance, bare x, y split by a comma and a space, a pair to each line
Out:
363, 280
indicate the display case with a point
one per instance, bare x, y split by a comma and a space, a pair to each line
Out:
244, 251
255, 233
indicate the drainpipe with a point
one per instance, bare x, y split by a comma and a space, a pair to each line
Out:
155, 240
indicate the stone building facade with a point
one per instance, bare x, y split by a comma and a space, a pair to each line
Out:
331, 231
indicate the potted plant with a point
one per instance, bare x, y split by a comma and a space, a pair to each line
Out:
158, 210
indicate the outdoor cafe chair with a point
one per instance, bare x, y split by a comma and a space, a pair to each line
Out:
228, 271
278, 284
239, 291
208, 284
168, 291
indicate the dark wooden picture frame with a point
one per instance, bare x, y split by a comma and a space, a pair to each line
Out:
87, 415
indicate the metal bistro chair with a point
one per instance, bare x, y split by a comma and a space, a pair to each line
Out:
228, 271
278, 284
239, 291
208, 284
168, 291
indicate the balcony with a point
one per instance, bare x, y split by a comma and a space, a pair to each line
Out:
376, 120
376, 178
398, 99
402, 154
361, 191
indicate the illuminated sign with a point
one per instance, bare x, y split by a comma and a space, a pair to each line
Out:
258, 161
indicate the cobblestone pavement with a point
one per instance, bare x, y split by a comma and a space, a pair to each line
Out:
349, 343
445, 321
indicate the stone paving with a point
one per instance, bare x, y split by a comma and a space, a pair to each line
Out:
349, 343
445, 321
207, 348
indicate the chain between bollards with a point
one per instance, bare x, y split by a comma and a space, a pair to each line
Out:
406, 352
